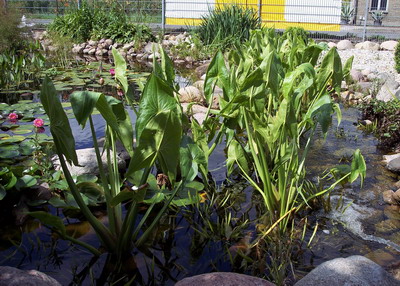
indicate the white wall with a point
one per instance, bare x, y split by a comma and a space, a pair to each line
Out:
193, 9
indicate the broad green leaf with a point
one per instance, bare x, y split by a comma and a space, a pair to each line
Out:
347, 68
218, 74
330, 71
236, 155
159, 140
83, 103
157, 97
25, 181
120, 69
191, 156
358, 167
50, 220
59, 124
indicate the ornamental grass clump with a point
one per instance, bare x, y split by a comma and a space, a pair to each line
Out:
228, 25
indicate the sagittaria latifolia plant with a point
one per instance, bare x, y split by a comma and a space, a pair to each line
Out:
274, 97
161, 148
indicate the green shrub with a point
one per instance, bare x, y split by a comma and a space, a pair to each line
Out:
397, 57
96, 23
228, 25
387, 118
11, 37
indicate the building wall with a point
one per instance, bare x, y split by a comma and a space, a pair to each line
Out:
392, 18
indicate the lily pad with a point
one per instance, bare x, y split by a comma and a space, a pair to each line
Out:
7, 154
21, 131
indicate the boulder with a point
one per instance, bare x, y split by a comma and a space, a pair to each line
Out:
108, 42
368, 45
388, 197
88, 162
389, 45
223, 279
200, 70
150, 47
77, 50
396, 196
356, 75
392, 162
93, 43
10, 276
345, 45
92, 51
127, 47
355, 270
191, 94
331, 45
389, 87
200, 117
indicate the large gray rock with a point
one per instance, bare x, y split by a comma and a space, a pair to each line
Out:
351, 271
389, 87
367, 45
10, 276
345, 45
223, 279
389, 45
88, 162
392, 162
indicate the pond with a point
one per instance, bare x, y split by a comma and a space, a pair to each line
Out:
184, 244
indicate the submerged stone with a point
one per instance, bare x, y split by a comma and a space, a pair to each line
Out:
223, 279
10, 276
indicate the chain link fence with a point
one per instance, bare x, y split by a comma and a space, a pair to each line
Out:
356, 20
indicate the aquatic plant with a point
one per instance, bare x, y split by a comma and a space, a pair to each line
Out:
274, 97
226, 25
161, 148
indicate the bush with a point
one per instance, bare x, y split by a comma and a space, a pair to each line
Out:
387, 118
227, 26
11, 36
397, 57
96, 23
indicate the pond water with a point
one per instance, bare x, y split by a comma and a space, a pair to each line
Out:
182, 246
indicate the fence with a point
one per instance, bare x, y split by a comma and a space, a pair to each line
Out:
354, 19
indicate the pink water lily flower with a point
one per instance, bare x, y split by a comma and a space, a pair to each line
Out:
38, 122
112, 72
13, 116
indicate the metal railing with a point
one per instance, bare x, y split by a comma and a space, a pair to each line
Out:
322, 17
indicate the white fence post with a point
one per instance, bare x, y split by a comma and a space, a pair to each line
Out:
365, 20
163, 15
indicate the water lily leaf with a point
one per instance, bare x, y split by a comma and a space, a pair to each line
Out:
87, 178
13, 139
92, 191
4, 135
21, 131
26, 181
3, 192
8, 154
49, 219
